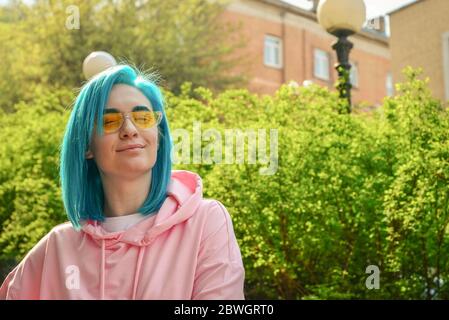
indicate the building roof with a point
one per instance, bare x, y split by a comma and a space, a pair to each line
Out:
364, 33
404, 7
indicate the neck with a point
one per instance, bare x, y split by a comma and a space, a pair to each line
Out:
124, 197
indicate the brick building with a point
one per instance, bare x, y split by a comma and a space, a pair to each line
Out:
286, 43
420, 38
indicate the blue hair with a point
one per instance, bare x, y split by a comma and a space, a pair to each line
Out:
82, 189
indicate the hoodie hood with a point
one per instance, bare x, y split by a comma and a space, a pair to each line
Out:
184, 195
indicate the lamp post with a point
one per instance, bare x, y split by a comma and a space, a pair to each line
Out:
342, 18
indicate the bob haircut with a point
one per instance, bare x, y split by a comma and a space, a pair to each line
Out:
82, 189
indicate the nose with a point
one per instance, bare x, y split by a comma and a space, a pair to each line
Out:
128, 129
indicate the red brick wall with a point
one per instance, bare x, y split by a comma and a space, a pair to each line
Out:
299, 42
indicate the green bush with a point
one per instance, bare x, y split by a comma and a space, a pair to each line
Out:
30, 198
349, 190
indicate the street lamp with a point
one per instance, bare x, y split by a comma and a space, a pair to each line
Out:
342, 18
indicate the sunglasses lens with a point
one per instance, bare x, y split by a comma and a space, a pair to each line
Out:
144, 119
111, 121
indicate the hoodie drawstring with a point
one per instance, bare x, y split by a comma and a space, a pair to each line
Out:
102, 270
137, 271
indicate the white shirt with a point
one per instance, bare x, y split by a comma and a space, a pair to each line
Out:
114, 224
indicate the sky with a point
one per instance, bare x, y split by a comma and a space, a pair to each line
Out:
374, 8
377, 8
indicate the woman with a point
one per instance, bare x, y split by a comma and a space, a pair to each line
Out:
137, 229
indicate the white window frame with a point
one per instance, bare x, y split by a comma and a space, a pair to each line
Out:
272, 46
354, 74
321, 71
389, 84
445, 39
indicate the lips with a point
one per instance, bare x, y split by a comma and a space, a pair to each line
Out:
130, 146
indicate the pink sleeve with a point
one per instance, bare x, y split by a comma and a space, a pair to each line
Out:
219, 273
24, 281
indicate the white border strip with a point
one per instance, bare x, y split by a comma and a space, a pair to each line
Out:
445, 39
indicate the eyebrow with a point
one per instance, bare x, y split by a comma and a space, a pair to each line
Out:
136, 108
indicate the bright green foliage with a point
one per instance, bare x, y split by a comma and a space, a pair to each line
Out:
30, 198
350, 190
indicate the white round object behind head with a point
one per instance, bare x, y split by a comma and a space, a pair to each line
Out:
97, 62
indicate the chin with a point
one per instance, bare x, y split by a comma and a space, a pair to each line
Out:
142, 165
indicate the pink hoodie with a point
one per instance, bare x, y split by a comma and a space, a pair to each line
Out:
188, 250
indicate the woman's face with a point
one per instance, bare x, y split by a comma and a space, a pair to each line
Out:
107, 150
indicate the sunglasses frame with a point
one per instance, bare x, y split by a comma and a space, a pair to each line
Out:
126, 115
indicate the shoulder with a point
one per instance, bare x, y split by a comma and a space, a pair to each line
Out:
55, 232
214, 216
213, 209
217, 235
61, 232
34, 259
63, 229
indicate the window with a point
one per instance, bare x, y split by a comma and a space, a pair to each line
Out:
389, 84
446, 63
321, 65
354, 74
273, 52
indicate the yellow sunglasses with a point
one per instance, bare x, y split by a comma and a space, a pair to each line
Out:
141, 116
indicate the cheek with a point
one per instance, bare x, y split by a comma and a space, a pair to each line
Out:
152, 138
103, 146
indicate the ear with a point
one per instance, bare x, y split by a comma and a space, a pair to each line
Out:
89, 154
